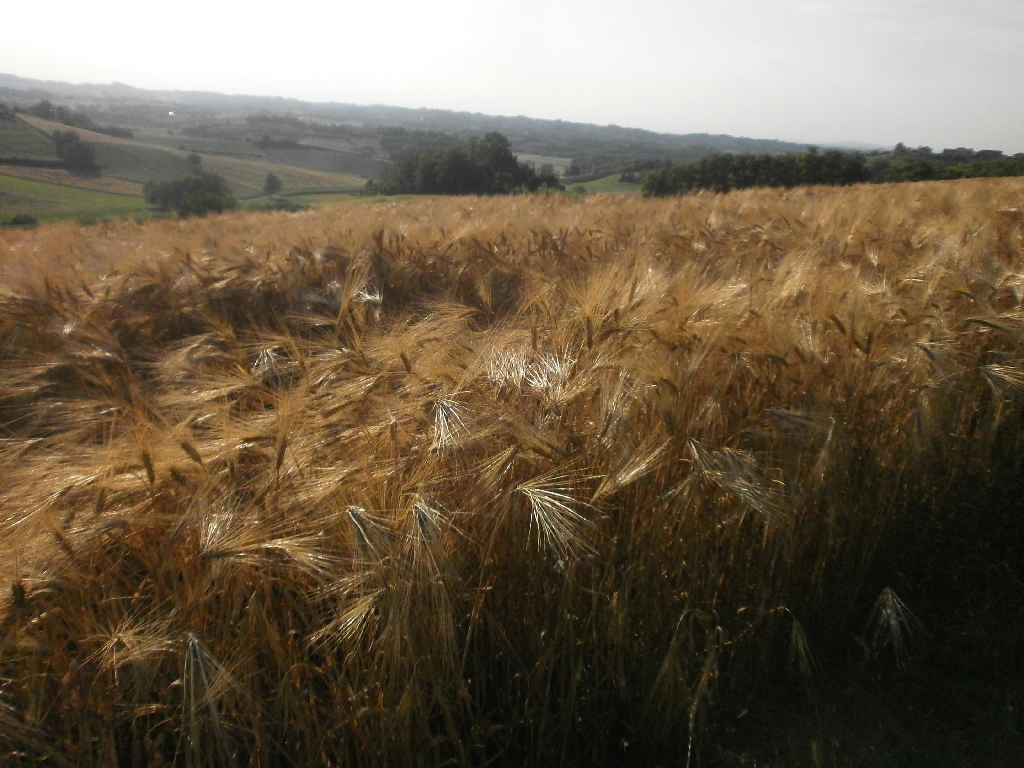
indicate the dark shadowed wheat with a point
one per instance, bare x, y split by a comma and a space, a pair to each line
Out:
472, 480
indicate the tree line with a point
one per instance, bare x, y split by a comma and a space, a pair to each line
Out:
78, 156
475, 167
725, 172
197, 194
923, 164
722, 173
74, 118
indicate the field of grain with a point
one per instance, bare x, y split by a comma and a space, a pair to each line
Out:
512, 481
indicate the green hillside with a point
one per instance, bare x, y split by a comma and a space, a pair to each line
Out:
216, 146
221, 122
611, 185
139, 163
53, 201
21, 140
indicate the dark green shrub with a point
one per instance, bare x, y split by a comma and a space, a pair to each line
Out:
78, 156
476, 167
194, 195
20, 220
201, 202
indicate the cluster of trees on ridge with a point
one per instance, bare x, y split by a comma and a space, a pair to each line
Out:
396, 141
923, 164
74, 119
197, 194
202, 192
475, 167
78, 156
725, 172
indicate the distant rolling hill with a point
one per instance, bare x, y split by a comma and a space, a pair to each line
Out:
33, 182
19, 139
212, 116
137, 161
315, 149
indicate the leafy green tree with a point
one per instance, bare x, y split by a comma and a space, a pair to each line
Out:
19, 220
476, 167
201, 202
194, 195
61, 114
272, 184
913, 169
78, 156
548, 178
195, 161
76, 119
726, 172
43, 109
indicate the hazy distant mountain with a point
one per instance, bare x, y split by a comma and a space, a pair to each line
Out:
596, 149
856, 146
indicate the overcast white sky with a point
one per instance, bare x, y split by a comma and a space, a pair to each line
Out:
944, 73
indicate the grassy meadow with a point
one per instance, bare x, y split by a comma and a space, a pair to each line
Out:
518, 481
64, 178
19, 139
248, 177
611, 185
229, 147
47, 201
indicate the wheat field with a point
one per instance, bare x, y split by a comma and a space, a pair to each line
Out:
510, 481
